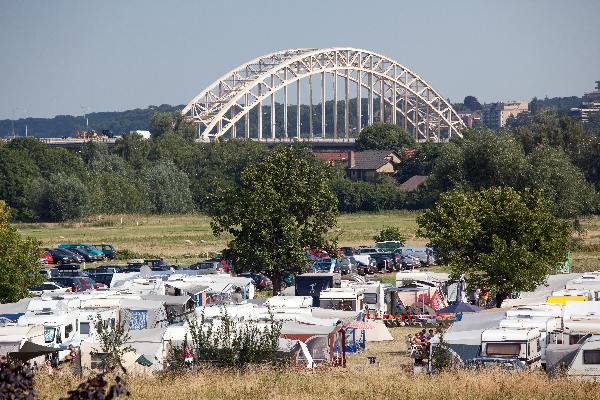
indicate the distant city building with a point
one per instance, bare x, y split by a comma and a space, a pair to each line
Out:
495, 115
590, 104
470, 118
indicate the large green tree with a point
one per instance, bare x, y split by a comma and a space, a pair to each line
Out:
497, 237
282, 205
19, 264
382, 136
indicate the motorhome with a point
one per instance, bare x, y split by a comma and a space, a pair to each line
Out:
346, 299
522, 344
61, 328
550, 329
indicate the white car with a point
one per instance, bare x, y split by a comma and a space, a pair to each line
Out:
49, 288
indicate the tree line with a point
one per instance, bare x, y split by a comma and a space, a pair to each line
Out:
171, 173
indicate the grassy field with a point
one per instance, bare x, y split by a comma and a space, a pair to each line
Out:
190, 236
178, 237
390, 377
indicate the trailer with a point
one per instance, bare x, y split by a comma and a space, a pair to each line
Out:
521, 344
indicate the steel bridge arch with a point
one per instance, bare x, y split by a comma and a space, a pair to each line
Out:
224, 103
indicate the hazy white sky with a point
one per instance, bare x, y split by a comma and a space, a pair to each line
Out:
64, 56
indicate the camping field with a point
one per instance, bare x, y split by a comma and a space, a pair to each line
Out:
389, 378
183, 238
190, 235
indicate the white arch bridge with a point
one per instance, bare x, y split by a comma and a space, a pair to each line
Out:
253, 100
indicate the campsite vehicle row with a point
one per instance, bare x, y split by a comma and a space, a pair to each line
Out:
562, 333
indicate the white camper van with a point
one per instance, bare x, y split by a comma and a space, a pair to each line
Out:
549, 329
522, 344
543, 310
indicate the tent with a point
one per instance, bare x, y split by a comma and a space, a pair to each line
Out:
459, 307
378, 333
30, 350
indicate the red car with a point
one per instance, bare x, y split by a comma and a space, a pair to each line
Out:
46, 258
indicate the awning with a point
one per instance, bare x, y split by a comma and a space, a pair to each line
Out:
31, 350
142, 360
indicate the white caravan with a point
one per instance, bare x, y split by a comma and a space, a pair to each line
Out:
590, 281
538, 310
345, 299
586, 363
580, 319
89, 316
549, 329
522, 344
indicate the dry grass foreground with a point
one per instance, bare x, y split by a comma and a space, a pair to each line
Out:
373, 382
390, 378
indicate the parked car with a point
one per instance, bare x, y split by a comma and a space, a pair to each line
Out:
77, 283
409, 262
63, 256
347, 251
208, 267
384, 262
49, 288
326, 265
396, 264
367, 250
348, 265
88, 247
87, 256
49, 273
46, 258
108, 250
389, 245
261, 281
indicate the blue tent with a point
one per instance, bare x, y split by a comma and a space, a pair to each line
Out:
459, 307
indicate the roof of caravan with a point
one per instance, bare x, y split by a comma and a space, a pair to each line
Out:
344, 316
141, 304
502, 334
288, 328
15, 308
168, 300
9, 332
586, 309
540, 323
339, 293
190, 287
289, 301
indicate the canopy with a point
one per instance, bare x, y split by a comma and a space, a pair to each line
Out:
142, 360
458, 308
31, 350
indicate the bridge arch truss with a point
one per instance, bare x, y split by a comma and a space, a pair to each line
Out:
393, 94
